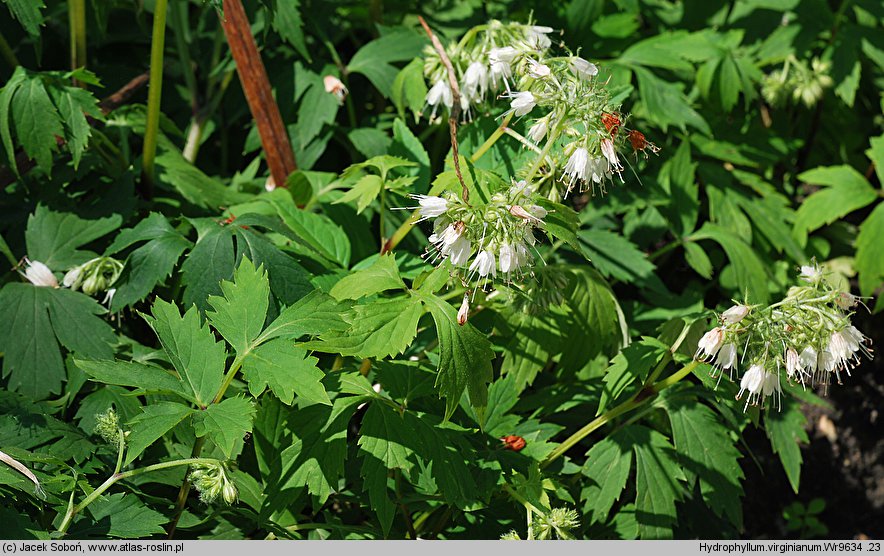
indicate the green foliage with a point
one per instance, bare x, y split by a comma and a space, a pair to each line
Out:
297, 340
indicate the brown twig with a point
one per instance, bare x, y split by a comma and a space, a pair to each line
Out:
24, 163
256, 85
455, 108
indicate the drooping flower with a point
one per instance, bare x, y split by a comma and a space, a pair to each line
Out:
734, 314
583, 68
439, 93
611, 155
459, 251
484, 264
538, 131
537, 37
710, 343
575, 169
727, 357
846, 300
39, 274
475, 81
507, 258
500, 68
334, 86
522, 102
752, 382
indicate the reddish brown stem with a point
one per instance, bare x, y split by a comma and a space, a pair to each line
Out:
455, 108
256, 85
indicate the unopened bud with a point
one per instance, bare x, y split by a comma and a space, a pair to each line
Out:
464, 312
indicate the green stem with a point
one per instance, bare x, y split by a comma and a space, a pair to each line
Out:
121, 449
179, 21
553, 137
7, 53
155, 91
77, 25
406, 226
609, 415
498, 133
116, 477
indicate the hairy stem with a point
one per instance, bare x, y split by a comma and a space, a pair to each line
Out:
116, 477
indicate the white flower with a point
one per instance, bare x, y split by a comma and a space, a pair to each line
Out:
459, 251
536, 37
793, 363
582, 68
727, 357
484, 264
752, 381
334, 86
475, 81
734, 314
507, 258
537, 70
525, 214
611, 155
710, 343
439, 93
500, 60
109, 296
537, 211
522, 102
430, 206
846, 300
771, 384
464, 312
811, 273
521, 187
449, 235
825, 362
808, 359
538, 131
72, 277
575, 169
597, 169
39, 274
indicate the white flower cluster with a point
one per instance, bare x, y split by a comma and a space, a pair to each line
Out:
94, 276
484, 242
580, 119
484, 61
808, 337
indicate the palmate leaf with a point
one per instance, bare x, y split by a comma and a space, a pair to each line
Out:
155, 420
123, 516
607, 469
316, 313
379, 329
191, 348
870, 252
36, 121
148, 265
317, 231
29, 13
301, 447
751, 273
144, 377
707, 452
381, 276
785, 429
25, 425
657, 477
239, 315
465, 357
226, 423
35, 320
54, 238
628, 369
594, 324
846, 191
286, 370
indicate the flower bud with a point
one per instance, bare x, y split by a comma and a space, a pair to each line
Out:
710, 343
39, 274
734, 314
464, 312
334, 86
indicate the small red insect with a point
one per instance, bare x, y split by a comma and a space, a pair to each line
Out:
612, 122
513, 442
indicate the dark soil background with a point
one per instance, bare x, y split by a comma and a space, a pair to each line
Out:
843, 464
